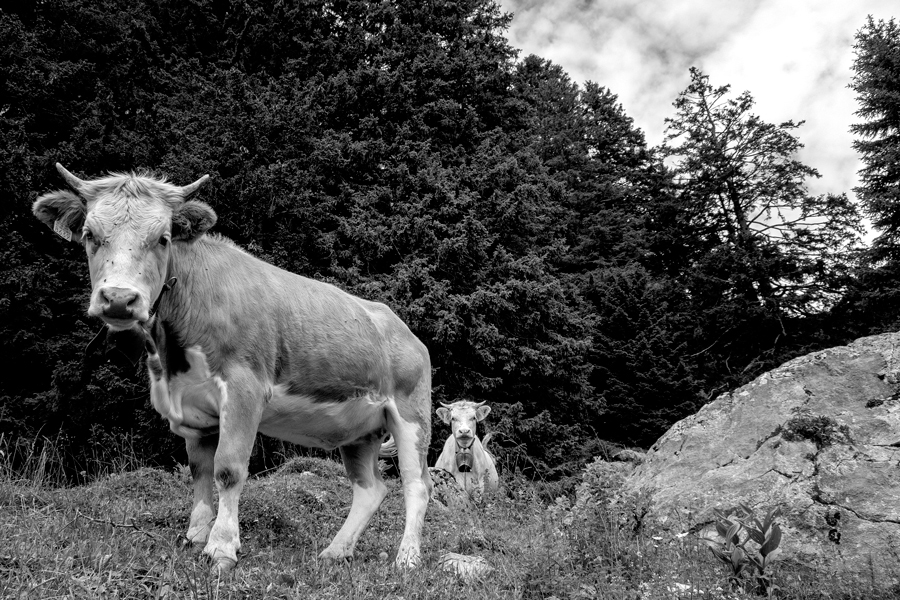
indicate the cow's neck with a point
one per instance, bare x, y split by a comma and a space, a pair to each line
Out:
195, 267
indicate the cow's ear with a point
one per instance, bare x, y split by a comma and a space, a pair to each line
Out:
444, 414
63, 212
481, 412
191, 220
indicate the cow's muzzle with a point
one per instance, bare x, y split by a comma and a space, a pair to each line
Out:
464, 441
118, 304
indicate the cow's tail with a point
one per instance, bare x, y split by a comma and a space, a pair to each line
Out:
487, 438
388, 447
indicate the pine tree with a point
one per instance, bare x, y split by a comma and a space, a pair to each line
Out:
871, 306
736, 176
876, 81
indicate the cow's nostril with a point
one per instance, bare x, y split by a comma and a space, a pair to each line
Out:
118, 303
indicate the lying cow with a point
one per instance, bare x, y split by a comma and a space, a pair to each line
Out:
464, 456
236, 345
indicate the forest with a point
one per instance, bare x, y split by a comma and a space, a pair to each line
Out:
593, 289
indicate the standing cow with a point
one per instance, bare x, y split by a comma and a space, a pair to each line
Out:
464, 456
236, 345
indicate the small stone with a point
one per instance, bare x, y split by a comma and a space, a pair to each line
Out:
468, 568
383, 556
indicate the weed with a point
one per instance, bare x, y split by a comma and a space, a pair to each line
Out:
738, 555
822, 430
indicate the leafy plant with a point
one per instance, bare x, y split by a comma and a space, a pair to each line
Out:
737, 533
819, 429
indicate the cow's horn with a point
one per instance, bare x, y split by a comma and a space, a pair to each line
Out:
75, 183
477, 404
446, 405
193, 187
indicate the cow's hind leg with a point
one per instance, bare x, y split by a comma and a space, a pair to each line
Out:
242, 405
201, 454
411, 427
361, 462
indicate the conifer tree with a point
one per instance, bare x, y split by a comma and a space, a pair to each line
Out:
737, 177
876, 81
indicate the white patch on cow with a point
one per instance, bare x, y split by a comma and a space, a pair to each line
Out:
202, 518
191, 401
159, 395
224, 538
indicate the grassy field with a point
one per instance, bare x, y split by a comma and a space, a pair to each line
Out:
119, 535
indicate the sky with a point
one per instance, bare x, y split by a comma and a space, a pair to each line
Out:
793, 56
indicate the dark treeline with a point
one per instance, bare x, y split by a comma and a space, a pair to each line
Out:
588, 286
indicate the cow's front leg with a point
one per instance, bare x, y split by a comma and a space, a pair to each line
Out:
240, 411
361, 462
201, 453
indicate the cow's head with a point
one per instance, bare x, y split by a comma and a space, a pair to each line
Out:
127, 224
462, 417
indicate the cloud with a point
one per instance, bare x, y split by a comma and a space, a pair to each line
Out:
795, 59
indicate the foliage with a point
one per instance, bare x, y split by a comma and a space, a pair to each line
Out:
640, 350
359, 143
758, 262
745, 194
737, 555
876, 71
517, 221
871, 304
820, 429
601, 483
605, 520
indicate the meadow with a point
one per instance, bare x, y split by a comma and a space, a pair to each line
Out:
119, 534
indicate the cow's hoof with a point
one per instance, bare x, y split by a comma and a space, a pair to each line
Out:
185, 542
197, 538
223, 565
407, 559
222, 560
335, 555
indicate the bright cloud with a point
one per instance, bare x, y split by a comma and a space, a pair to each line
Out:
794, 57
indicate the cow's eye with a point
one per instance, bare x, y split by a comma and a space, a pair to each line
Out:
164, 241
88, 237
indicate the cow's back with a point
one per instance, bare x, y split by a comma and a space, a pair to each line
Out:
309, 336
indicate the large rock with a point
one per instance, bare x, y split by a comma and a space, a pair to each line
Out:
819, 436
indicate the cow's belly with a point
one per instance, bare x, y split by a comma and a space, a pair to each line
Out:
192, 402
301, 420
